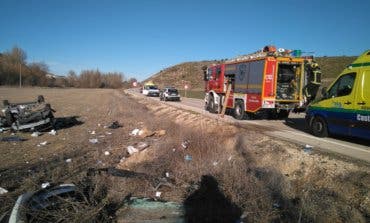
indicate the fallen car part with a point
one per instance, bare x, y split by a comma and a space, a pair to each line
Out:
36, 201
12, 139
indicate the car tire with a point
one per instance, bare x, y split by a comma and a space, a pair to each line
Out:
319, 127
40, 99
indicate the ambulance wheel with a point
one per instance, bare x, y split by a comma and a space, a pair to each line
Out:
239, 112
319, 127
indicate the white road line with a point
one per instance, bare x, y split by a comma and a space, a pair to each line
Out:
325, 140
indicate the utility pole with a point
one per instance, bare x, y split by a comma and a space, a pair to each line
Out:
20, 75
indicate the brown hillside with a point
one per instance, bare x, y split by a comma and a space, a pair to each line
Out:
185, 73
191, 72
332, 66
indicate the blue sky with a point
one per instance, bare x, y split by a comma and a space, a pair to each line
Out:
141, 37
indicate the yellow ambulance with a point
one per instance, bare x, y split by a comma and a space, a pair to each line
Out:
344, 108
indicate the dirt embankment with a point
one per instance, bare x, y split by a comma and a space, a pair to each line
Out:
261, 179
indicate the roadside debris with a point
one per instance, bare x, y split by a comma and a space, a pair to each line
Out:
188, 157
142, 145
135, 132
12, 139
45, 185
151, 210
131, 150
93, 141
92, 133
185, 144
68, 160
158, 194
107, 153
44, 199
3, 191
115, 125
144, 132
308, 149
53, 132
44, 143
35, 134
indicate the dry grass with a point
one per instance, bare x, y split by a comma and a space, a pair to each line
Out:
270, 180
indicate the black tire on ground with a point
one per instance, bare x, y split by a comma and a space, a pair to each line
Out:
239, 112
319, 127
40, 99
8, 117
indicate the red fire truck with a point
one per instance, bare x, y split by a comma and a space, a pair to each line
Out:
267, 84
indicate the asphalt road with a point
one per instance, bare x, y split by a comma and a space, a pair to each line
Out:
292, 129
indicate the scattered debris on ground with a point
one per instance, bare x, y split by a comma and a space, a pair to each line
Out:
13, 139
93, 141
3, 191
115, 125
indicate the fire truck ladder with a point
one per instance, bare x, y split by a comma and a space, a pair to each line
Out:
224, 104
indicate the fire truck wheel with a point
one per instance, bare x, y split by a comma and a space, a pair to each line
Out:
211, 105
239, 112
319, 127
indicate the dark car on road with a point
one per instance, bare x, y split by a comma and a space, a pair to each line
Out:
169, 94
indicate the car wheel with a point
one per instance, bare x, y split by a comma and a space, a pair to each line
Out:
239, 112
319, 127
40, 99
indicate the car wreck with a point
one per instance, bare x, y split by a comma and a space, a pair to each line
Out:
27, 115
